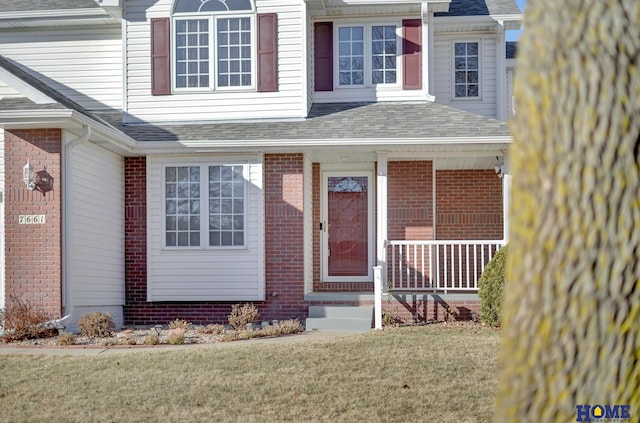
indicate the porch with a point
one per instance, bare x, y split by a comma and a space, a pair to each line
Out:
420, 280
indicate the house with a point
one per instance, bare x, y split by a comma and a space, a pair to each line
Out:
169, 158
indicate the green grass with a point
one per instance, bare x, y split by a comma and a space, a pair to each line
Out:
400, 375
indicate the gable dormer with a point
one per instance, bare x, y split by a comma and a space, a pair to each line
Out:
213, 60
372, 50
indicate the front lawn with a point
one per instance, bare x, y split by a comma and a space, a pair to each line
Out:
431, 373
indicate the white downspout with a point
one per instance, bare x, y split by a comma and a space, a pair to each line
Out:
67, 183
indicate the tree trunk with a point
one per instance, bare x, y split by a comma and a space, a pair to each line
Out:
571, 323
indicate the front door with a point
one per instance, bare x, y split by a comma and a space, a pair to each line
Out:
347, 226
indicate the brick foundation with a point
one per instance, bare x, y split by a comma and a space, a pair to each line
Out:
33, 261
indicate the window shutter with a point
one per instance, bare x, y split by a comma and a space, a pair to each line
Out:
160, 59
323, 56
411, 54
267, 52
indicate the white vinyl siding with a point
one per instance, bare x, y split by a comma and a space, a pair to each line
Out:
84, 64
368, 90
486, 103
1, 218
221, 104
95, 227
207, 273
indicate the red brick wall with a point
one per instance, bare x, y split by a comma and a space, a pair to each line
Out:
284, 236
410, 200
284, 267
468, 205
33, 263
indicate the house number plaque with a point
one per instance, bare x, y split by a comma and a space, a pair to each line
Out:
31, 219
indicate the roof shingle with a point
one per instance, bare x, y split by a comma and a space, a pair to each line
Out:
36, 5
481, 7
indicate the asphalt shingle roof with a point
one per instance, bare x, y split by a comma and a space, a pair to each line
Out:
39, 84
28, 5
384, 120
481, 7
457, 7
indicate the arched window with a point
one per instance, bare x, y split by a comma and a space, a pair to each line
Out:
213, 44
194, 6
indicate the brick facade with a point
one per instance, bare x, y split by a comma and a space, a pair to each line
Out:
410, 200
284, 245
468, 205
33, 260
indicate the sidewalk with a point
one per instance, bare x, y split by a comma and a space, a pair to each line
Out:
94, 350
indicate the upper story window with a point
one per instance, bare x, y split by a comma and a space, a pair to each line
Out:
213, 44
466, 70
367, 54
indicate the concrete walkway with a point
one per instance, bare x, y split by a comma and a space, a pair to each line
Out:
94, 350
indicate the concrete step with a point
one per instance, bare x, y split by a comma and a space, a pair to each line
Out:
340, 318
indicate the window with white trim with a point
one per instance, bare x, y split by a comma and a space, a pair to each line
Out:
367, 54
466, 70
205, 205
213, 44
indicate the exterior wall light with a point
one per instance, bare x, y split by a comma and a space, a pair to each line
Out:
28, 176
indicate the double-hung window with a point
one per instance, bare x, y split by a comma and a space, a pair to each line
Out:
205, 205
466, 70
367, 54
213, 44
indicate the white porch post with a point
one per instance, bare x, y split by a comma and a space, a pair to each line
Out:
381, 236
377, 297
381, 208
506, 198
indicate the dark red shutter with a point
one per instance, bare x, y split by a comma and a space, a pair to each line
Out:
412, 54
160, 59
267, 52
323, 55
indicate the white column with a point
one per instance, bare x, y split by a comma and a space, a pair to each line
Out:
506, 199
377, 295
381, 210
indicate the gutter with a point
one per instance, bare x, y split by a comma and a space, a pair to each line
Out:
112, 138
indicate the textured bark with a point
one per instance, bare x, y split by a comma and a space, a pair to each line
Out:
571, 332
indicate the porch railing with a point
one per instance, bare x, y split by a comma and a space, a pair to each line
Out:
437, 266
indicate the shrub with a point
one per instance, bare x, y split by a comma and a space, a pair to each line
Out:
20, 319
451, 313
490, 286
391, 318
216, 329
151, 339
243, 314
65, 339
96, 325
287, 327
176, 336
179, 324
